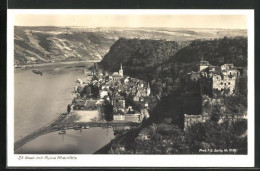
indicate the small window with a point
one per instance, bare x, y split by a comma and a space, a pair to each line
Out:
221, 83
225, 83
217, 77
222, 89
228, 83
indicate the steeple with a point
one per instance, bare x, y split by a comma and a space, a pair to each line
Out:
148, 92
121, 70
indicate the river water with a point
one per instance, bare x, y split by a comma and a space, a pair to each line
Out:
39, 100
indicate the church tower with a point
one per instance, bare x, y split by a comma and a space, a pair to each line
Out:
148, 92
121, 71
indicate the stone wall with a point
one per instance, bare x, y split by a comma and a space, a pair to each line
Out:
119, 117
192, 119
232, 118
133, 117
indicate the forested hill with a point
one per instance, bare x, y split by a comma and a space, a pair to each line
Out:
217, 52
139, 53
147, 58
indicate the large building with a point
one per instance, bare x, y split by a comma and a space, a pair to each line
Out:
129, 115
118, 75
142, 92
215, 78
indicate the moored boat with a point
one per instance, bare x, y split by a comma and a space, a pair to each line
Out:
77, 127
37, 71
62, 132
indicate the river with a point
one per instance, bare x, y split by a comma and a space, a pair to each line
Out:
39, 100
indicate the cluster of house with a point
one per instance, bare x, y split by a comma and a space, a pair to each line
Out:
215, 78
114, 88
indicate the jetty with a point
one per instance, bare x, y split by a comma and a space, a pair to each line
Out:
60, 124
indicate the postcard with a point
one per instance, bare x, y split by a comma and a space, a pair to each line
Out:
130, 88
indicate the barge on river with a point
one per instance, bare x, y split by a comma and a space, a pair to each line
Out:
37, 72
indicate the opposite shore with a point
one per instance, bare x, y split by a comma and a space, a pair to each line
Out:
56, 63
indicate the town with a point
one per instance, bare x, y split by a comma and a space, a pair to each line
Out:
119, 101
123, 98
101, 100
116, 97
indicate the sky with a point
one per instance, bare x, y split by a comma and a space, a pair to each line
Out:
126, 20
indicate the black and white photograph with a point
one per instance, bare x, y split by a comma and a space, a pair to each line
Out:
130, 83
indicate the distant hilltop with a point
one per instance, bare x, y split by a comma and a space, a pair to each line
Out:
148, 56
139, 53
61, 44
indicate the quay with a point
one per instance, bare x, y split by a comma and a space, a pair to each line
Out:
61, 124
43, 130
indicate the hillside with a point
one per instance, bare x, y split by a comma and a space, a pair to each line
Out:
166, 70
148, 59
217, 52
53, 44
178, 95
34, 46
137, 53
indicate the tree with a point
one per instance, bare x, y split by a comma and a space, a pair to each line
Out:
79, 89
226, 91
236, 104
95, 91
240, 127
117, 104
82, 94
87, 90
242, 86
220, 136
215, 113
68, 108
169, 89
108, 110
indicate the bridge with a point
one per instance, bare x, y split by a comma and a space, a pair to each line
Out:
59, 124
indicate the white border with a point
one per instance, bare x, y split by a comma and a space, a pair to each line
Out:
133, 160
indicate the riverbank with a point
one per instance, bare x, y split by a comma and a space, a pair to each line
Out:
119, 139
65, 122
83, 119
58, 63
